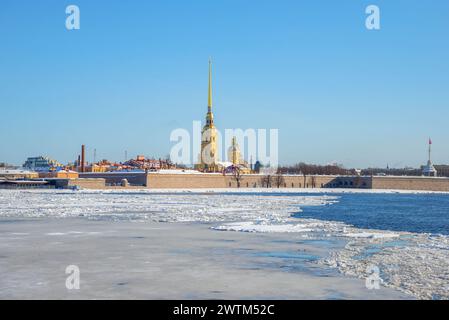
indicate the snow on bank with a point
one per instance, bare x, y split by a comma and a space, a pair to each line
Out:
254, 190
282, 190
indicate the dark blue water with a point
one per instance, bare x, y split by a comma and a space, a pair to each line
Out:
424, 213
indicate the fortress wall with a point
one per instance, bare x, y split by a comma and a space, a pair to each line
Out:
185, 181
411, 183
180, 181
86, 183
192, 181
93, 183
115, 178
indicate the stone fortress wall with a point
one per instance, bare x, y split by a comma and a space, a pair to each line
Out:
156, 180
180, 181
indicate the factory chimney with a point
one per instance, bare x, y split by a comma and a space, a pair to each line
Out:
83, 157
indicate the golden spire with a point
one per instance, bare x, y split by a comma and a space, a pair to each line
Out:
209, 100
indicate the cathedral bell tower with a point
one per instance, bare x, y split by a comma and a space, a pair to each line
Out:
209, 156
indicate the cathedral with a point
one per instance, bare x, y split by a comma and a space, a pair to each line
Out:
208, 159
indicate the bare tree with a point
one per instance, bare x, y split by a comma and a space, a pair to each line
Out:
237, 175
305, 180
313, 182
266, 181
310, 169
392, 171
279, 179
168, 162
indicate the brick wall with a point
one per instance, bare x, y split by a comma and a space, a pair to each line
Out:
115, 178
192, 181
411, 183
96, 183
180, 181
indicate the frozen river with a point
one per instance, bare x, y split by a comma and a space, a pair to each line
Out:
146, 244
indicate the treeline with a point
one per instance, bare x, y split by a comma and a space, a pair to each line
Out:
392, 172
313, 169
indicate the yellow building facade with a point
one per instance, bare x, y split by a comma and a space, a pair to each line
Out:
60, 174
235, 156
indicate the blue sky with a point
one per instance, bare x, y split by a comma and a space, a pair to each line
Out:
136, 70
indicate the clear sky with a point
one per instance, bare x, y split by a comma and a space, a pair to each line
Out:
136, 70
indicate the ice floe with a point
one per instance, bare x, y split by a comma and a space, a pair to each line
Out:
416, 264
177, 207
373, 235
266, 226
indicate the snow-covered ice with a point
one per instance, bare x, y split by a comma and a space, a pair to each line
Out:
416, 264
142, 205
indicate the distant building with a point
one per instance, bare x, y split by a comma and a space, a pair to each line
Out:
41, 164
97, 168
101, 166
60, 174
13, 174
234, 152
142, 163
429, 170
257, 166
235, 158
4, 165
24, 184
